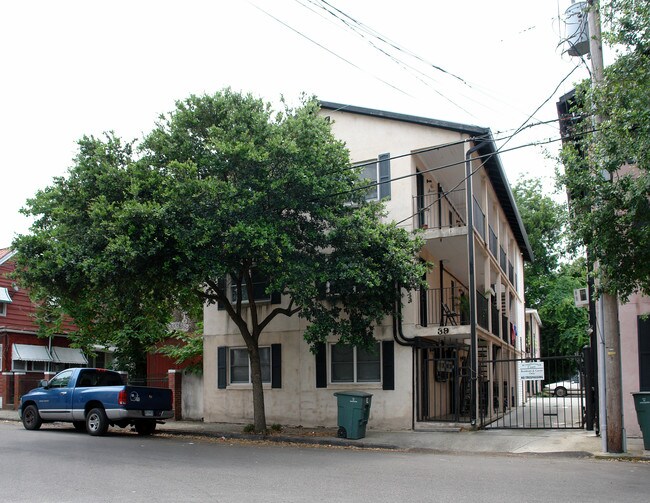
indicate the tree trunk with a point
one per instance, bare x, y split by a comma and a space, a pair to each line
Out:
259, 414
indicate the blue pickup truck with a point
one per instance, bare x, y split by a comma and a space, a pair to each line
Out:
93, 399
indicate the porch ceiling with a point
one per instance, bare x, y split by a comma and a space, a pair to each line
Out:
446, 165
452, 250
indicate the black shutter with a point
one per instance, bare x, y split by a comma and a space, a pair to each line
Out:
221, 283
388, 364
384, 175
222, 367
276, 365
276, 298
321, 365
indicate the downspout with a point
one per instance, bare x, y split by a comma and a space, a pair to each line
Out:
398, 336
472, 280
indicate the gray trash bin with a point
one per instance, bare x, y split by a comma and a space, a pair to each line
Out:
642, 406
353, 413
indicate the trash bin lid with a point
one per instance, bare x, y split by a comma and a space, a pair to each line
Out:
361, 394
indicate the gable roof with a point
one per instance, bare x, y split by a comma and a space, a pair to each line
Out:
488, 150
6, 254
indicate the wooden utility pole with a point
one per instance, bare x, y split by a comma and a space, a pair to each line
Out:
609, 310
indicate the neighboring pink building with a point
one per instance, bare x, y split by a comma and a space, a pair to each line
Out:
635, 356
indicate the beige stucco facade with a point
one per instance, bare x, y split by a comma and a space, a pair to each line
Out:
427, 159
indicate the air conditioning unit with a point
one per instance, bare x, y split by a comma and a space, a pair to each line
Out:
581, 297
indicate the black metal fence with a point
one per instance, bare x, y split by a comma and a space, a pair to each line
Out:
515, 397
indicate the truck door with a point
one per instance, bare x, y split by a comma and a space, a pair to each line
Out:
56, 404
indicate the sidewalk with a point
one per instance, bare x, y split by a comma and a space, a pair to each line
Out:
578, 443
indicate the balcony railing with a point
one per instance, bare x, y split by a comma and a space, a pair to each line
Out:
511, 273
439, 211
503, 259
446, 306
479, 219
493, 243
495, 320
482, 306
505, 334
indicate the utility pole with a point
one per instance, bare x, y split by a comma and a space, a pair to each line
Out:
609, 303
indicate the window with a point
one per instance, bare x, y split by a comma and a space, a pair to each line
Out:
240, 372
5, 299
260, 283
355, 365
377, 173
61, 380
29, 366
233, 366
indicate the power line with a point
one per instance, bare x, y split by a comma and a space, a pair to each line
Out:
330, 51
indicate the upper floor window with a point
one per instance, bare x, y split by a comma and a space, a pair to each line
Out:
260, 284
377, 174
5, 299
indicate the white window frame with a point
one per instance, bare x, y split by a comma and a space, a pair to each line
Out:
3, 309
29, 366
355, 366
245, 351
372, 193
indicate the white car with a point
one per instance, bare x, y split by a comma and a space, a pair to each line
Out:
563, 388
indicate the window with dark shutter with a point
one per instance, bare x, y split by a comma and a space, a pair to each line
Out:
384, 176
276, 365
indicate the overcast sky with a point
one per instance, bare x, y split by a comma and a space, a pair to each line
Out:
72, 68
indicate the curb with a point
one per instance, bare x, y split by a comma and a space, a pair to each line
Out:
327, 441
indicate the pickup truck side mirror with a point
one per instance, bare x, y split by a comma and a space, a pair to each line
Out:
43, 383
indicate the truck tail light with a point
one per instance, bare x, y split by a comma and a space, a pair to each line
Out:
121, 397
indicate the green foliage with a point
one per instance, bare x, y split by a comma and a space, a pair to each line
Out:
550, 281
613, 218
188, 348
221, 187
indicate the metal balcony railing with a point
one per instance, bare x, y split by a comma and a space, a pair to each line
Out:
493, 243
479, 219
443, 307
439, 211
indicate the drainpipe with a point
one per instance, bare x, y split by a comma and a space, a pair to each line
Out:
472, 280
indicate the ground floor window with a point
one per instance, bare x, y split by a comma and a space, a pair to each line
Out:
240, 368
351, 364
233, 366
28, 366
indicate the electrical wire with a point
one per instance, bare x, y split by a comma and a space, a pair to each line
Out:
330, 51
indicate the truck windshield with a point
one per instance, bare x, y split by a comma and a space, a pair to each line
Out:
92, 378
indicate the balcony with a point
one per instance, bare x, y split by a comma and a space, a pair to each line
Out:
479, 219
443, 307
493, 243
439, 210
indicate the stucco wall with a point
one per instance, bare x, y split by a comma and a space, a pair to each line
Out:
298, 401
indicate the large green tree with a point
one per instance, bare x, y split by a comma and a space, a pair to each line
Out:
222, 192
552, 277
612, 217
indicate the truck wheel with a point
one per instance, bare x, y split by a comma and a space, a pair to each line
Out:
96, 422
145, 427
79, 425
31, 419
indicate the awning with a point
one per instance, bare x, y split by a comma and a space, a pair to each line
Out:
68, 355
30, 353
4, 295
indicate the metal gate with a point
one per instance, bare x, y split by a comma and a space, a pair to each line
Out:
551, 397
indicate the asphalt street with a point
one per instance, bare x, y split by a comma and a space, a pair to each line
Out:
60, 465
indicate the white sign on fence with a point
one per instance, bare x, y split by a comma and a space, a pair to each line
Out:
531, 371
